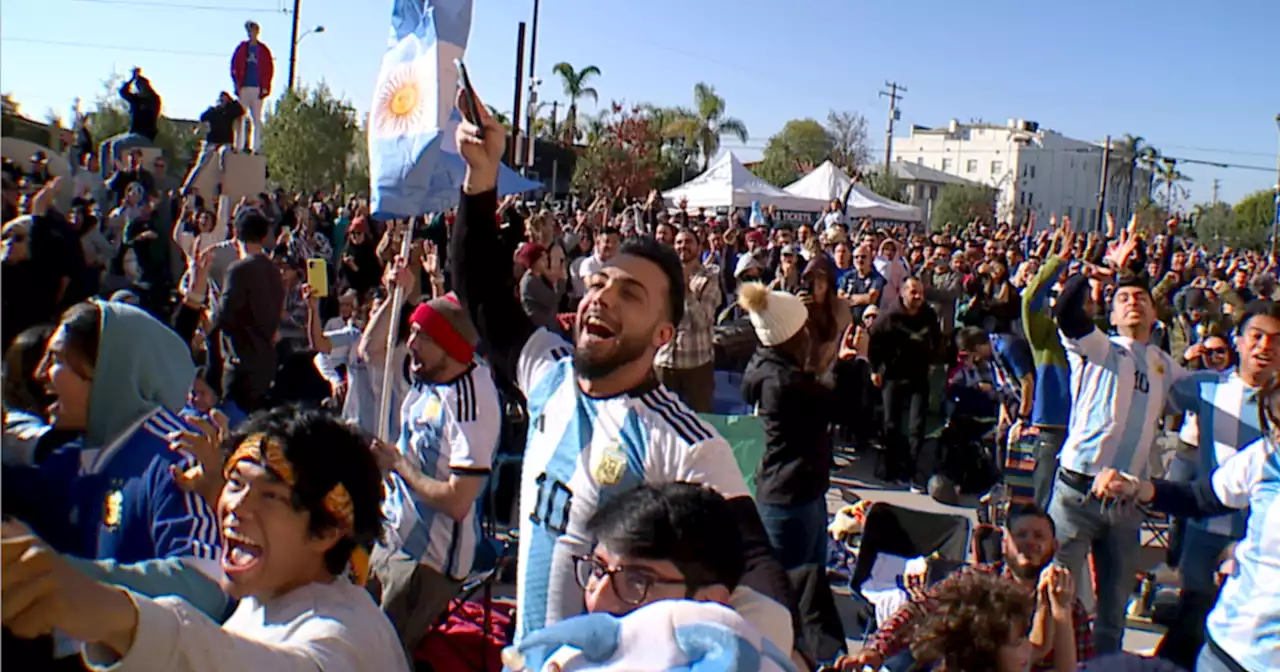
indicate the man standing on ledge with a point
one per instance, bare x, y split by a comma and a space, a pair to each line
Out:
599, 421
251, 71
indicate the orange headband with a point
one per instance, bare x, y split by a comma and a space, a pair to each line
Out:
269, 454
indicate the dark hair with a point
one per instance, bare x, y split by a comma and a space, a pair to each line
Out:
324, 452
975, 614
82, 324
607, 231
21, 360
1132, 280
1258, 308
969, 338
665, 258
252, 226
1019, 510
682, 523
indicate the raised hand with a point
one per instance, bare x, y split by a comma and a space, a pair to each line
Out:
483, 155
205, 447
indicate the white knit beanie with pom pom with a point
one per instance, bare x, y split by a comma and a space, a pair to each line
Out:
776, 316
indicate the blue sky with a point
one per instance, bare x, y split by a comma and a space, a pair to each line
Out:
1191, 76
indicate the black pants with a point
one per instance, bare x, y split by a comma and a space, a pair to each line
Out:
905, 405
1181, 644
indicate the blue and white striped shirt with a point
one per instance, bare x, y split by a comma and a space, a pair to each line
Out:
448, 428
364, 380
583, 450
1245, 622
1226, 419
1118, 392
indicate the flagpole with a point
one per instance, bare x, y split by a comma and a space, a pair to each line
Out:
389, 370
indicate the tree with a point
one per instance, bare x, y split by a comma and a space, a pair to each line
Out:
1128, 154
309, 138
110, 117
575, 87
1255, 214
1170, 179
885, 183
708, 123
798, 148
848, 131
957, 205
626, 157
500, 117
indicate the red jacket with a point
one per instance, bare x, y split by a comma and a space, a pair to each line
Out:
266, 67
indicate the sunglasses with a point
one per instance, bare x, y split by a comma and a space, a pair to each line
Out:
1215, 352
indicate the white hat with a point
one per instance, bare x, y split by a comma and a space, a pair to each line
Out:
776, 316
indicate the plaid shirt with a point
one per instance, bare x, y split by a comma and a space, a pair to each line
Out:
692, 345
894, 636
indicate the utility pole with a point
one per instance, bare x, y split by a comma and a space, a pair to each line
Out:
293, 43
513, 151
1275, 221
533, 86
1102, 184
555, 107
894, 97
1214, 199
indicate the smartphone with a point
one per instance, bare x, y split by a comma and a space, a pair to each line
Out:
318, 277
470, 106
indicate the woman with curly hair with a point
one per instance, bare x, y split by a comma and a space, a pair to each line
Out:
980, 625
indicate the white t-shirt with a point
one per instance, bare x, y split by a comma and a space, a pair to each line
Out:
335, 627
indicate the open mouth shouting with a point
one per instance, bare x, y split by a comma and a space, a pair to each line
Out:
596, 330
240, 555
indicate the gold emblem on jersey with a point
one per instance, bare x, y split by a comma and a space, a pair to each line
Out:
113, 509
610, 465
431, 409
1159, 369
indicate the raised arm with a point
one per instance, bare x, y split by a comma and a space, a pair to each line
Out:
483, 280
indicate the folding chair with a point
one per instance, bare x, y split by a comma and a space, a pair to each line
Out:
906, 533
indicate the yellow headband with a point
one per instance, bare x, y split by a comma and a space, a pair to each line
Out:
269, 454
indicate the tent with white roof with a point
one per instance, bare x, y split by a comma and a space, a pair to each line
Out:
728, 184
827, 182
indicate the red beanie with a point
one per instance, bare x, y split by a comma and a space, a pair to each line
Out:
444, 321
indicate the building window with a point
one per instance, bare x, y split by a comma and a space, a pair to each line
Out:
933, 191
946, 165
919, 160
996, 167
1031, 199
1022, 198
1033, 171
971, 166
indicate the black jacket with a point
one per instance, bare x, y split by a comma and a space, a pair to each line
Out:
902, 346
795, 410
222, 120
144, 108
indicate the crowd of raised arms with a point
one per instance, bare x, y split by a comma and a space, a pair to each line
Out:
192, 479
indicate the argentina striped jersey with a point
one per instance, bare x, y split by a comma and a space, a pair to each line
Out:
1225, 419
1119, 388
1245, 622
581, 451
447, 428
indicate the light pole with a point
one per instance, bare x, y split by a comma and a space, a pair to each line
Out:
1275, 219
293, 53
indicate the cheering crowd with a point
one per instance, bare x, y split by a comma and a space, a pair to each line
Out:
216, 457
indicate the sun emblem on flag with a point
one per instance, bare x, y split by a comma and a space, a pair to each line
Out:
401, 105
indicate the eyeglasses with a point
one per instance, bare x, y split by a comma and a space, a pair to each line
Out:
1215, 352
630, 584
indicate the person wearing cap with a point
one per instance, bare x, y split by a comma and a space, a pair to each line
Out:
795, 410
251, 70
538, 293
452, 419
787, 277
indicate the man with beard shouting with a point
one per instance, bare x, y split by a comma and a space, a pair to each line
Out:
599, 421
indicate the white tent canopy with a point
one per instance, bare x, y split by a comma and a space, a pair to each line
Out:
728, 183
827, 182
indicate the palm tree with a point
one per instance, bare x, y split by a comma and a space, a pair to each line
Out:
575, 87
704, 128
1128, 154
500, 117
1168, 175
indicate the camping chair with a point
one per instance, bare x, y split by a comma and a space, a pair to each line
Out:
906, 533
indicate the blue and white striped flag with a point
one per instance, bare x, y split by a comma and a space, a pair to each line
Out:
414, 167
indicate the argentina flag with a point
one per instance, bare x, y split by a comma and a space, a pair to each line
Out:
414, 165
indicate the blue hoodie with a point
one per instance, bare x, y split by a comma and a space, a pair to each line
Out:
126, 505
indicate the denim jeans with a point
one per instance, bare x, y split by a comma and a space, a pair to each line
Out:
110, 149
1084, 525
1048, 444
797, 533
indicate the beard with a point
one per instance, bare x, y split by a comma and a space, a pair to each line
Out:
1028, 571
596, 365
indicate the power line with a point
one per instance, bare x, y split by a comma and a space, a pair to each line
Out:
115, 47
185, 6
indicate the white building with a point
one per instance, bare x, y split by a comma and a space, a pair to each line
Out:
1032, 169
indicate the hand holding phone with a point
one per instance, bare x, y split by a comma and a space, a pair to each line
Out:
470, 105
